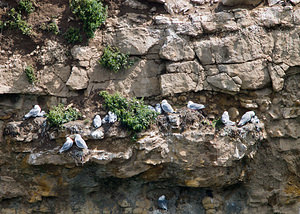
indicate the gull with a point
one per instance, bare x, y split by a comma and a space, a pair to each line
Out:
225, 119
34, 112
67, 145
162, 202
195, 106
97, 121
246, 118
158, 108
167, 107
151, 108
110, 118
80, 142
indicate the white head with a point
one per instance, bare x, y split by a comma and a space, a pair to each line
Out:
225, 113
163, 197
36, 107
164, 101
69, 139
190, 102
97, 117
252, 113
77, 135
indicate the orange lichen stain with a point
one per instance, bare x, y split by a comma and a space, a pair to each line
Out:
292, 187
45, 187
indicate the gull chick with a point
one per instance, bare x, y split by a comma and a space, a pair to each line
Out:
162, 202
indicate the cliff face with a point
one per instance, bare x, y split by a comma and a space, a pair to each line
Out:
236, 58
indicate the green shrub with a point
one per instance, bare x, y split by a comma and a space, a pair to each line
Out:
16, 21
73, 35
114, 60
26, 5
217, 123
59, 115
133, 113
50, 27
91, 12
30, 74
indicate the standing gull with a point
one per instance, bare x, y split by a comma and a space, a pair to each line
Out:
162, 202
225, 119
110, 118
158, 108
80, 142
246, 118
151, 108
67, 145
167, 107
195, 106
97, 121
34, 112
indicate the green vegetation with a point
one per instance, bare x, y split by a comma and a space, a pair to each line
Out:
59, 115
73, 35
114, 60
30, 74
91, 12
217, 123
16, 21
133, 114
50, 27
26, 5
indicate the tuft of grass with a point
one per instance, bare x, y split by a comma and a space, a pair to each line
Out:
217, 123
132, 113
114, 60
26, 5
50, 27
29, 71
60, 114
91, 12
73, 35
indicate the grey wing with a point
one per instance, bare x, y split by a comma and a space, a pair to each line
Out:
245, 118
197, 106
32, 112
67, 145
163, 204
81, 143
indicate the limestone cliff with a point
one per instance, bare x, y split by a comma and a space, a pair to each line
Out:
230, 55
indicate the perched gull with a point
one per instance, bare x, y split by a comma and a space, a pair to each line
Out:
110, 118
167, 107
67, 145
162, 202
158, 108
97, 121
225, 119
80, 142
246, 118
195, 106
151, 108
34, 112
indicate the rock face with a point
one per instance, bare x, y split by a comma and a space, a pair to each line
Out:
233, 57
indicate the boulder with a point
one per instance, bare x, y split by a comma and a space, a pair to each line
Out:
176, 48
78, 79
224, 82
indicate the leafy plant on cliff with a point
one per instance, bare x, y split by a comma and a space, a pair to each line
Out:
26, 5
60, 114
114, 60
132, 113
50, 27
16, 21
91, 12
29, 71
73, 35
